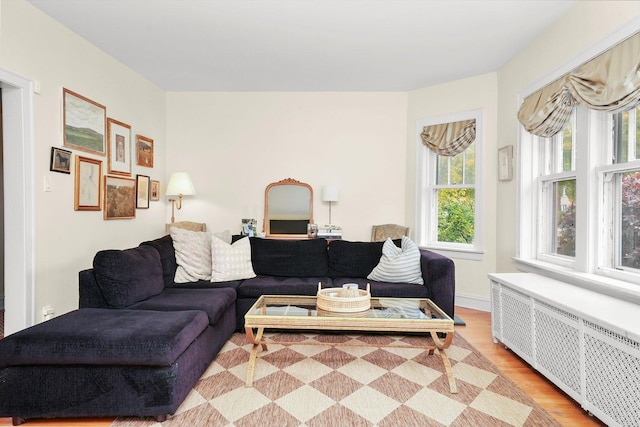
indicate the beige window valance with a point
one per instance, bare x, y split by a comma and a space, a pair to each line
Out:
449, 139
609, 82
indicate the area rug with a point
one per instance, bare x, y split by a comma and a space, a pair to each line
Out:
321, 386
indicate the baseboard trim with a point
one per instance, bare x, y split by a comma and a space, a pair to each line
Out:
474, 302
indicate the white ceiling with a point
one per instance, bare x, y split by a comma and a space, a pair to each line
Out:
307, 45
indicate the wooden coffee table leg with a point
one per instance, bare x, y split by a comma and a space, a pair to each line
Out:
257, 342
441, 345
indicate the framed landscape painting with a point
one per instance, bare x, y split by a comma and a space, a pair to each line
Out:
84, 123
144, 151
119, 148
119, 197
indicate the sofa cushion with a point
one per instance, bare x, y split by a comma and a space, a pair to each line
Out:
290, 258
193, 255
128, 276
230, 261
398, 265
278, 285
94, 336
214, 302
164, 246
353, 259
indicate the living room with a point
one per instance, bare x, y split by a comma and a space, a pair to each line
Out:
234, 143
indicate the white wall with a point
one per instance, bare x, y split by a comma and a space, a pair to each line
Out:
235, 144
36, 47
476, 93
583, 26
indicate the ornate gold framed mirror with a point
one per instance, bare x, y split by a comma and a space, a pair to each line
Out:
288, 209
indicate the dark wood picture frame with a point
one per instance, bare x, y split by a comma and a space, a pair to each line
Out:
144, 151
119, 197
85, 123
60, 160
143, 187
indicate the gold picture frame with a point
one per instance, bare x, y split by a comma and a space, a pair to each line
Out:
84, 123
143, 184
154, 194
88, 189
144, 151
118, 148
119, 197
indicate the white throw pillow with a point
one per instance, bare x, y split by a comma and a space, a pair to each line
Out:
231, 262
398, 265
193, 255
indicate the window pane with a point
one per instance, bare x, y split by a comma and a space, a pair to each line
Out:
621, 137
442, 176
470, 164
456, 169
565, 217
567, 147
630, 220
456, 215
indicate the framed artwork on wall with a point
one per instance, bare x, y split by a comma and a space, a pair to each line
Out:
155, 191
88, 190
60, 160
505, 163
142, 191
118, 148
119, 197
84, 123
144, 151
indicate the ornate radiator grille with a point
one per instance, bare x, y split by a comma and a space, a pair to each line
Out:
516, 323
557, 344
496, 314
612, 365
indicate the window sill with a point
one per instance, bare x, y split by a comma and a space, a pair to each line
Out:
469, 254
605, 285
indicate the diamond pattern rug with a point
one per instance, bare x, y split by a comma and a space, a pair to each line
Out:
363, 385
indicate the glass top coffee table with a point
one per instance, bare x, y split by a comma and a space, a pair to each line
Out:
415, 315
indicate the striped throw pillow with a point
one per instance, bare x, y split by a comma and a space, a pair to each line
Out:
398, 265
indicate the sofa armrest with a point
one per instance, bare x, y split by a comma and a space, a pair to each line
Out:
438, 273
90, 293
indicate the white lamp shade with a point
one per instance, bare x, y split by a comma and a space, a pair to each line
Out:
180, 183
330, 193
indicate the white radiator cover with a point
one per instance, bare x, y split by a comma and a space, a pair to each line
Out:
584, 342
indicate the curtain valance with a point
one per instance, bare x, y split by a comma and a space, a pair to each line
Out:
609, 82
449, 139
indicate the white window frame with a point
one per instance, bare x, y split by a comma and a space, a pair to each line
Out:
426, 202
592, 268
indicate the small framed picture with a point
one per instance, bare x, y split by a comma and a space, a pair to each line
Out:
84, 123
142, 191
505, 163
119, 197
144, 151
88, 189
119, 148
60, 160
154, 196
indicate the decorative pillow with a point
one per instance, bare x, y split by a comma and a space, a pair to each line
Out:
225, 236
230, 262
128, 276
398, 265
193, 255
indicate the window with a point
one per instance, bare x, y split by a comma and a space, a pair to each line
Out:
449, 194
585, 196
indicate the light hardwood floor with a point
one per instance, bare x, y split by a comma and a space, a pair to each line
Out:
478, 333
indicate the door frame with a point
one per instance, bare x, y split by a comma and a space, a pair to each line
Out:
19, 206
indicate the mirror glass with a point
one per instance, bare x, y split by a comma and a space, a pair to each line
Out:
288, 208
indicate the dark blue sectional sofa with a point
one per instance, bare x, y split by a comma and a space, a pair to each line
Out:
139, 342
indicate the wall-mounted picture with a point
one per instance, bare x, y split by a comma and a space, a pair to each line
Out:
87, 191
144, 151
143, 183
119, 197
60, 160
155, 191
119, 148
84, 123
